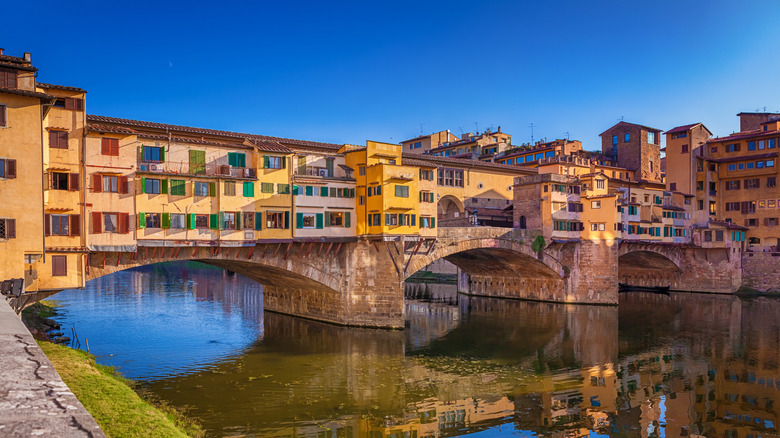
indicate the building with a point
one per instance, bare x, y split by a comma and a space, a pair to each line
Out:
475, 146
685, 154
532, 156
424, 143
634, 147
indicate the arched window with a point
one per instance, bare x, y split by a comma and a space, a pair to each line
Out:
522, 222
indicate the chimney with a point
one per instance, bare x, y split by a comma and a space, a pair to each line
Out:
499, 128
1, 51
26, 56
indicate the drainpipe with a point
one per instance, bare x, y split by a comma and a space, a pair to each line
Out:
83, 171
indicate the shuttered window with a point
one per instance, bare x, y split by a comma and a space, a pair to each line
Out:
7, 228
58, 139
74, 104
7, 168
109, 146
59, 265
7, 78
3, 116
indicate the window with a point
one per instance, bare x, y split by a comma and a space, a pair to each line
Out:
362, 170
336, 219
770, 163
58, 139
7, 78
595, 204
699, 185
719, 235
110, 222
308, 220
229, 220
427, 222
151, 220
732, 185
152, 154
770, 143
7, 228
198, 162
732, 147
110, 184
626, 137
152, 186
732, 206
684, 149
751, 222
391, 219
713, 150
278, 220
373, 220
771, 181
761, 144
282, 189
651, 139
752, 183
201, 221
3, 116
747, 207
201, 189
249, 189
273, 162
401, 191
673, 187
109, 146
59, 181
751, 145
249, 220
428, 197
700, 205
426, 175
599, 183
59, 266
614, 140
361, 200
732, 167
59, 224
450, 177
417, 145
177, 220
236, 159
267, 187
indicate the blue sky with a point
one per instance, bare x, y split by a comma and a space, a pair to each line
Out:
345, 72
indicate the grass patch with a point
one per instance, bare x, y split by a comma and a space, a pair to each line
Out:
34, 316
111, 400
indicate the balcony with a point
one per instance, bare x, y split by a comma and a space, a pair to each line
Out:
206, 169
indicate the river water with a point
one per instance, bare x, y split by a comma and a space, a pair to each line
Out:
656, 366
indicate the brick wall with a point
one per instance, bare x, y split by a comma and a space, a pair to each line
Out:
761, 271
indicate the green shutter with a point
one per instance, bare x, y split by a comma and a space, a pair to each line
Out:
164, 186
238, 220
232, 159
249, 189
143, 185
309, 191
284, 162
347, 219
141, 220
329, 166
302, 165
221, 220
414, 220
162, 154
166, 220
324, 191
266, 162
286, 220
295, 190
433, 222
213, 219
298, 220
319, 220
327, 219
258, 221
191, 221
197, 162
212, 189
332, 192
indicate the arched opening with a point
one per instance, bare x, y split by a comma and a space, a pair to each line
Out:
451, 212
647, 269
522, 223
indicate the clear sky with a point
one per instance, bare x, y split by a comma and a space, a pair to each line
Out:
344, 72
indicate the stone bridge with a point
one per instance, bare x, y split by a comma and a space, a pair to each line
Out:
360, 282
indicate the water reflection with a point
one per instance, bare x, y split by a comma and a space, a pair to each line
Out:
685, 365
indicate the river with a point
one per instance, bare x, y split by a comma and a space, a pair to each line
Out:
197, 337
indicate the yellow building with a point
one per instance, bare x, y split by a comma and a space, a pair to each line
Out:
21, 166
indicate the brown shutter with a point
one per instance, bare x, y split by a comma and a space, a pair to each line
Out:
75, 225
47, 225
74, 181
59, 265
97, 182
52, 139
79, 104
114, 147
3, 115
97, 222
124, 223
10, 228
123, 185
10, 168
70, 104
105, 146
62, 139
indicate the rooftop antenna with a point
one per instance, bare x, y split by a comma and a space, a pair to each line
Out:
566, 134
476, 126
621, 118
421, 128
532, 132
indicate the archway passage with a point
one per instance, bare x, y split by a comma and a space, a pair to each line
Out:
451, 212
647, 269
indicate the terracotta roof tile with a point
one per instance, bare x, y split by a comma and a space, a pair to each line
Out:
754, 133
27, 93
61, 87
468, 163
686, 128
744, 157
101, 127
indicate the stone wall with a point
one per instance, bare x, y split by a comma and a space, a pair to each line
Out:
761, 271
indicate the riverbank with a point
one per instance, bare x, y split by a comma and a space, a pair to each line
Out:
107, 396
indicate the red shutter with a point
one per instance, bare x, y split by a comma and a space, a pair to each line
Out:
74, 181
97, 182
47, 225
124, 223
75, 225
114, 147
10, 228
97, 222
59, 265
10, 168
105, 146
123, 185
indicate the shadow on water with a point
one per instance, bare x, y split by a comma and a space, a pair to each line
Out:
682, 365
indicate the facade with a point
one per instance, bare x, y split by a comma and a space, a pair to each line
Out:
424, 143
636, 148
533, 156
477, 146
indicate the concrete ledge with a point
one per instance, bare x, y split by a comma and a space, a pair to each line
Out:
34, 400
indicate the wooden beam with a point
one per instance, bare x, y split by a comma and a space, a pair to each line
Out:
154, 252
430, 248
265, 249
337, 249
322, 245
390, 253
375, 247
118, 258
194, 251
416, 248
309, 250
146, 252
135, 254
278, 247
178, 248
104, 260
287, 253
329, 248
251, 253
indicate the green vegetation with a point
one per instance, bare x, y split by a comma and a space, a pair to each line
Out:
34, 316
117, 408
538, 245
749, 292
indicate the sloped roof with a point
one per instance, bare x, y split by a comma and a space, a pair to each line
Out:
686, 128
630, 124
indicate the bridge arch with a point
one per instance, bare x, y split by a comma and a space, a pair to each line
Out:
649, 264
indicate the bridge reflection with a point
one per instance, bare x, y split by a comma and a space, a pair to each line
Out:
675, 366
